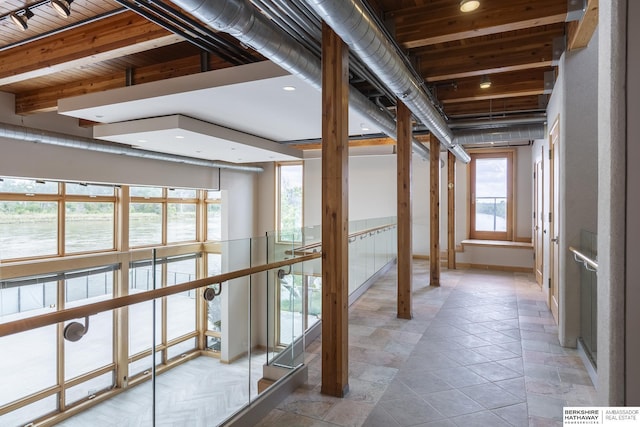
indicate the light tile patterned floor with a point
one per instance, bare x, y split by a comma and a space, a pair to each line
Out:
481, 350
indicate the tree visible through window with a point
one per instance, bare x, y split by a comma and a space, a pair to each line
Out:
491, 195
289, 201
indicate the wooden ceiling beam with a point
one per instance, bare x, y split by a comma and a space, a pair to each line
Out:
504, 85
109, 38
580, 32
516, 50
46, 99
368, 142
441, 21
494, 107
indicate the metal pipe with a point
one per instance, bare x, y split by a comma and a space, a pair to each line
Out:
21, 133
497, 122
526, 132
241, 20
355, 25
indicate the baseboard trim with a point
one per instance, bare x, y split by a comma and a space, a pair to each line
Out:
510, 268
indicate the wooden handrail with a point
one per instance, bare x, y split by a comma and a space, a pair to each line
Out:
27, 324
306, 249
588, 262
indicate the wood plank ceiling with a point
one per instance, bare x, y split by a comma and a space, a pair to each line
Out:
508, 41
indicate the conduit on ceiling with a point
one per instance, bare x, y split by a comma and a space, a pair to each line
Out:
27, 134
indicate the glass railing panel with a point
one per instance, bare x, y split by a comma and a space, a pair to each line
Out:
281, 244
298, 306
181, 307
588, 294
214, 307
95, 349
145, 318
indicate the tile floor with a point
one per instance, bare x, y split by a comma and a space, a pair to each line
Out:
481, 350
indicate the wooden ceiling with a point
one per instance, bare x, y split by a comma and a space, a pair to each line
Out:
509, 41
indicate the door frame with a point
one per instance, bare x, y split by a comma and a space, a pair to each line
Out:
553, 224
538, 219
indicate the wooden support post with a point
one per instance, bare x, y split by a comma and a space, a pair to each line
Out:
434, 211
335, 203
121, 342
451, 211
405, 247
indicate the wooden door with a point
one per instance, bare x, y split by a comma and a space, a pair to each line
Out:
538, 220
554, 247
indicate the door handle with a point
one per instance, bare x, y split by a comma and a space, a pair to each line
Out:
555, 240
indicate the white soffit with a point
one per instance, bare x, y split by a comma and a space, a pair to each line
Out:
182, 135
248, 98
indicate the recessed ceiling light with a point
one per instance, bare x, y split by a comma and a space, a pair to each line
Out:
469, 5
179, 137
364, 126
99, 116
289, 88
142, 140
485, 83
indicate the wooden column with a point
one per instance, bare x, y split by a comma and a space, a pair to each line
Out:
335, 203
434, 211
405, 246
451, 210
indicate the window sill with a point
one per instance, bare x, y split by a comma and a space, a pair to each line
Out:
497, 244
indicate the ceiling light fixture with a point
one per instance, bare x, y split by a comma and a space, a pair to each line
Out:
63, 7
469, 5
179, 137
289, 88
21, 20
485, 83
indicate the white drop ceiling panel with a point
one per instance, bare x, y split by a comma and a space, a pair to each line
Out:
194, 138
250, 99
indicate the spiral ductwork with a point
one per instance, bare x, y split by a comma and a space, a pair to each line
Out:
22, 133
243, 21
351, 21
525, 132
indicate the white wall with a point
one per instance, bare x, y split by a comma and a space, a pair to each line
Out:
372, 193
632, 391
574, 103
612, 160
372, 188
578, 177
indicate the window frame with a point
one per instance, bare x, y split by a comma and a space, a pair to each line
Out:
278, 214
509, 154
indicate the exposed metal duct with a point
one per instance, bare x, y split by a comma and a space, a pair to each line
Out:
244, 22
22, 133
351, 21
512, 133
497, 122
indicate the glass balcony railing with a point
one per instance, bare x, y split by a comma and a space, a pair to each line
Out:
183, 333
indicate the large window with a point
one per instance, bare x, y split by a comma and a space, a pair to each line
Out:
214, 216
44, 218
289, 203
491, 195
41, 220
